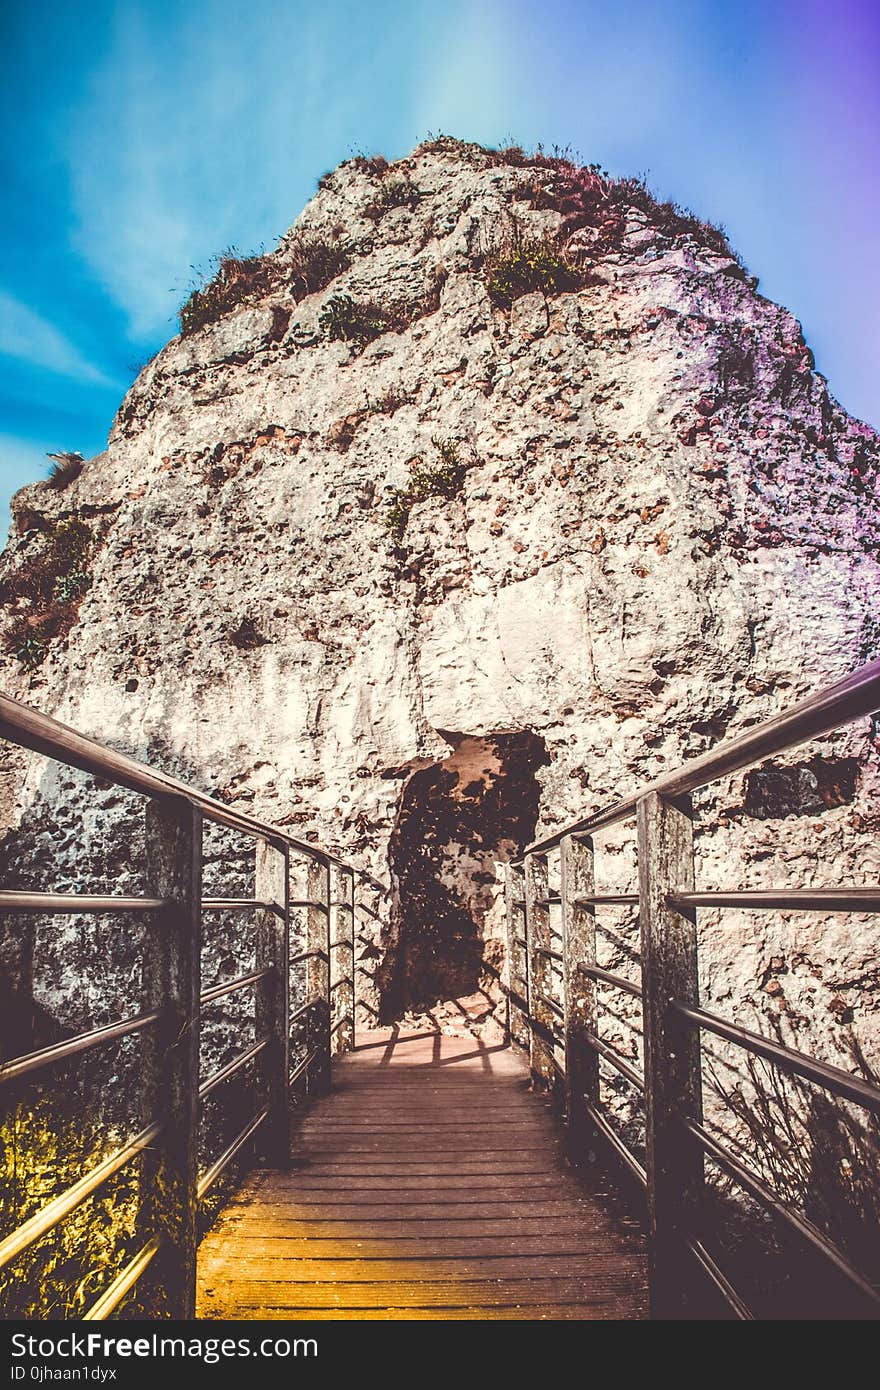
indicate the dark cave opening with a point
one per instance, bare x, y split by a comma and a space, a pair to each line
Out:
458, 820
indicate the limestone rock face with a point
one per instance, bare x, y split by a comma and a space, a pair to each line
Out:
655, 528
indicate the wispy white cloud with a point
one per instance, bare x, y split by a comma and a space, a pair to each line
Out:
212, 132
26, 335
181, 149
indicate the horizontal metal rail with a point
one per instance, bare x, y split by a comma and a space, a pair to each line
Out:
17, 1067
307, 955
126, 1279
55, 1211
230, 986
303, 1010
307, 902
13, 901
738, 1307
610, 1055
341, 945
833, 1079
852, 698
240, 905
208, 1178
628, 1159
235, 1065
551, 1004
768, 1199
28, 727
521, 941
800, 899
595, 972
607, 900
302, 1067
545, 951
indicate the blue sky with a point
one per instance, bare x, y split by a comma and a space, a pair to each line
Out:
140, 138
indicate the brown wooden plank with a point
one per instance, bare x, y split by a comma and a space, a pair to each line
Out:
475, 1293
385, 1210
372, 1229
428, 1184
307, 1188
579, 1312
275, 1270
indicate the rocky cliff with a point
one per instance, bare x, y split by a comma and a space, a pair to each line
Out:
496, 489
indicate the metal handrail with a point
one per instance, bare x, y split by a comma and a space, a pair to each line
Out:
615, 1059
126, 1279
29, 727
800, 899
208, 1178
669, 990
13, 901
49, 738
232, 1067
48, 1217
69, 1047
768, 1199
231, 986
302, 1067
595, 972
852, 698
627, 1158
834, 1079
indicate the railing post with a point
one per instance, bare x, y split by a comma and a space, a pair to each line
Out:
352, 938
517, 957
272, 1013
172, 984
318, 974
672, 1048
579, 992
342, 960
538, 936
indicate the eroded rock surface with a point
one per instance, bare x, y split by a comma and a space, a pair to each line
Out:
655, 528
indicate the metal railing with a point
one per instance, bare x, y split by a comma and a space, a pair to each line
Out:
561, 1034
172, 908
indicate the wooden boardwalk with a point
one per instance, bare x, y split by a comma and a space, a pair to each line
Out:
430, 1184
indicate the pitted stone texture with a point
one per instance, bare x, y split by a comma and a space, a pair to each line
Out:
664, 534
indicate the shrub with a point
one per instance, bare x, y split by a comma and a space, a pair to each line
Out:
588, 198
669, 218
26, 642
237, 280
390, 401
523, 265
442, 478
71, 586
394, 193
314, 262
66, 468
53, 581
375, 164
343, 318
